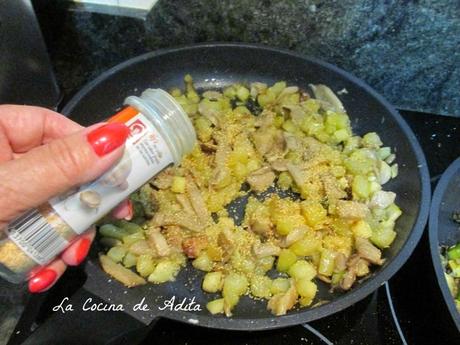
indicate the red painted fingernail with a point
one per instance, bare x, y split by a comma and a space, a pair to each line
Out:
130, 212
82, 250
42, 280
107, 138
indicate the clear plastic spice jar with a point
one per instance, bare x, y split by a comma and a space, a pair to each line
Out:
161, 134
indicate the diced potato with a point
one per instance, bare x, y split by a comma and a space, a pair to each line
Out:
314, 213
286, 259
361, 229
235, 284
286, 224
213, 282
203, 262
302, 269
307, 291
216, 306
165, 271
260, 286
306, 288
240, 170
178, 184
266, 263
230, 301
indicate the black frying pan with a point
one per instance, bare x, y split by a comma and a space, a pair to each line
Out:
443, 231
215, 66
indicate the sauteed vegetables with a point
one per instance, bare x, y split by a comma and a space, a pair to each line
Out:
451, 264
316, 212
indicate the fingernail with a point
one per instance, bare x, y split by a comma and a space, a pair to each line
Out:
124, 210
82, 250
130, 211
107, 138
42, 280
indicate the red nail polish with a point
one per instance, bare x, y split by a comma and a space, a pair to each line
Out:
42, 280
107, 138
82, 250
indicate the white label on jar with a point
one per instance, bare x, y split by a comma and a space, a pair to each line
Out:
146, 154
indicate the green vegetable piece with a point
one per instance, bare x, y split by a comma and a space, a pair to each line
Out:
128, 226
117, 253
110, 230
454, 252
130, 239
286, 259
145, 265
129, 260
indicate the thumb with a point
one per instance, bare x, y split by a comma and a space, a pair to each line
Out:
60, 165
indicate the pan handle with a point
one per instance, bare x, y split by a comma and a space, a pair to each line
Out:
89, 327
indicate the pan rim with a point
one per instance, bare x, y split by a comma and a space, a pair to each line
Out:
358, 293
433, 229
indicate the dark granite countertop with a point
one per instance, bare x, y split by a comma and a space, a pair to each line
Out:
407, 50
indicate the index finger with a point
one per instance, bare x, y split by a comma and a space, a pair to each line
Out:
25, 127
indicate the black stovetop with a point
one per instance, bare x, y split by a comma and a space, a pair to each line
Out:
406, 310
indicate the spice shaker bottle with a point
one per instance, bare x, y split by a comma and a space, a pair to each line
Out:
160, 135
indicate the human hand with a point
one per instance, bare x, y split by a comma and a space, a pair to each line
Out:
44, 154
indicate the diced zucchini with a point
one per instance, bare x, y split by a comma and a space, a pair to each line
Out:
327, 262
307, 246
129, 260
280, 285
110, 230
361, 187
286, 259
117, 253
453, 253
145, 265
